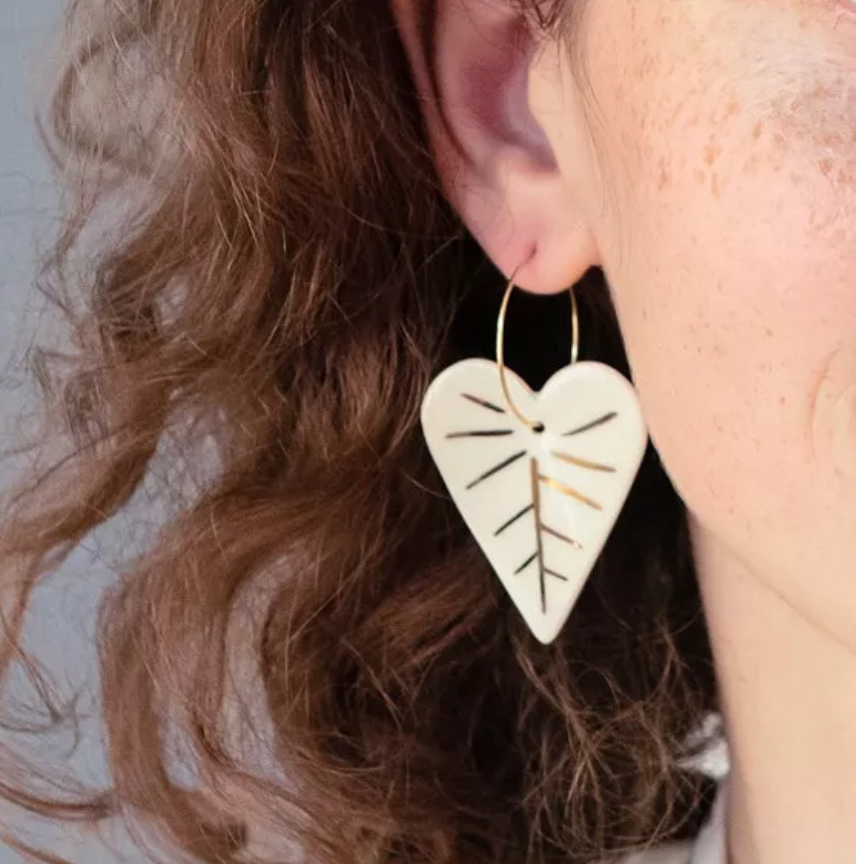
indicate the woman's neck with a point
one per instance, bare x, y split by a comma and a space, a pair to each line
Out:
789, 700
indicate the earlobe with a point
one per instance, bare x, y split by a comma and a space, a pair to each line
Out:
494, 160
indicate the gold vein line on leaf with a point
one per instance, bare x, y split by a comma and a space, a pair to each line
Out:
535, 476
593, 424
583, 463
481, 433
497, 468
526, 563
483, 403
519, 515
571, 493
554, 533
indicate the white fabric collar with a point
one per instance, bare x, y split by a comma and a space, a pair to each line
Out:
710, 846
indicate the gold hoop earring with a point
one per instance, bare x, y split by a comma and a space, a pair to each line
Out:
500, 347
539, 478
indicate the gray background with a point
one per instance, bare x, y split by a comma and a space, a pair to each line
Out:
61, 626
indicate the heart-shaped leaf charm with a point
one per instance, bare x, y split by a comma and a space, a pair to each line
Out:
540, 502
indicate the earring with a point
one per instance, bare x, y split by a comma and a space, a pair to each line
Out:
539, 478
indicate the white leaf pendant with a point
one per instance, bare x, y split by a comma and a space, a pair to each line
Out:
540, 504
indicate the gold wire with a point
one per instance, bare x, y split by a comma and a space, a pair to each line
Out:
500, 347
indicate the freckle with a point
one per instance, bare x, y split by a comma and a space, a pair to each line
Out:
711, 153
714, 184
825, 166
758, 130
649, 65
733, 108
699, 175
819, 224
664, 178
831, 139
751, 163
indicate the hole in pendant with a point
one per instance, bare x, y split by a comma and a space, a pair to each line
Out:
538, 428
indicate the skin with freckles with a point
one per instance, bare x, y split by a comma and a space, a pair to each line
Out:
726, 142
703, 153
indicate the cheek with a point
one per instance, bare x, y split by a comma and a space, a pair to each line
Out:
739, 309
731, 251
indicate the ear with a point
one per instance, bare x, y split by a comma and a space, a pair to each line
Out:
471, 62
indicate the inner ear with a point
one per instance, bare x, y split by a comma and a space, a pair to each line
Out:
480, 68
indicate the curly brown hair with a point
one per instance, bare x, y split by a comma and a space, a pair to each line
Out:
259, 257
